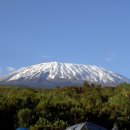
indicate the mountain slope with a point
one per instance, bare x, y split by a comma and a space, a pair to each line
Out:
61, 74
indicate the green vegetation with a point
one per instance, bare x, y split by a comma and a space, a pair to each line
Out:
58, 108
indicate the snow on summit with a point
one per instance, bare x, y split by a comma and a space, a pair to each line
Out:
62, 74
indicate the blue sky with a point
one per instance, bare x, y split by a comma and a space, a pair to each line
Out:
95, 32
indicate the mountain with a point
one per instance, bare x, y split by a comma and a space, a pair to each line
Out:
62, 74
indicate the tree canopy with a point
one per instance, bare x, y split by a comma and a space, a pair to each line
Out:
58, 108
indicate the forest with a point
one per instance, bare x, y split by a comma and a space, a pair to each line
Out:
60, 107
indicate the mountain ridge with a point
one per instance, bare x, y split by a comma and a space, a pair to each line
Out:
62, 74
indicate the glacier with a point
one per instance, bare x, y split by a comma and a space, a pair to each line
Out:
62, 74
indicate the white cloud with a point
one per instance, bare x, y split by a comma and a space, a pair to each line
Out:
1, 71
45, 56
112, 55
10, 69
109, 59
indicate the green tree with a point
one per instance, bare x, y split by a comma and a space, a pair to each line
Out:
24, 116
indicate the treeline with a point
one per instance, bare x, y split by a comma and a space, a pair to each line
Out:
58, 108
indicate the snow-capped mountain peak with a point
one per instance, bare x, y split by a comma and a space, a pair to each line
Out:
61, 74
